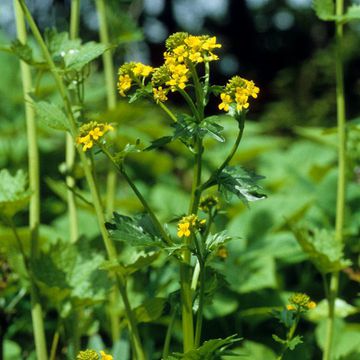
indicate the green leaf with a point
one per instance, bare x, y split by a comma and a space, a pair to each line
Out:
143, 93
14, 194
159, 143
352, 13
324, 9
324, 251
59, 43
210, 350
71, 270
23, 51
51, 115
252, 351
137, 231
212, 128
242, 183
150, 310
76, 59
285, 317
295, 341
342, 310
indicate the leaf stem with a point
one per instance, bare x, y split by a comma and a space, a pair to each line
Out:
34, 180
200, 311
290, 335
169, 331
341, 185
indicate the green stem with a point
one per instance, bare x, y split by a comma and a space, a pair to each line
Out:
341, 185
34, 180
111, 175
290, 335
110, 96
70, 149
196, 191
54, 345
169, 331
110, 248
233, 150
198, 91
191, 104
168, 111
199, 317
144, 203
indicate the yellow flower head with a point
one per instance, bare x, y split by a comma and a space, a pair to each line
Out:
302, 302
311, 305
290, 307
142, 70
124, 84
238, 91
183, 230
160, 94
87, 355
91, 132
105, 356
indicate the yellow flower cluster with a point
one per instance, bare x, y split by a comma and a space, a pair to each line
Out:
92, 132
188, 224
237, 91
132, 72
301, 302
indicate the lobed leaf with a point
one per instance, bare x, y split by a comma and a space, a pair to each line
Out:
324, 251
51, 116
14, 194
150, 310
324, 9
242, 183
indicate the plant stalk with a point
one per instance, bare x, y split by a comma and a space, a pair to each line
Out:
34, 181
69, 147
110, 248
169, 331
341, 185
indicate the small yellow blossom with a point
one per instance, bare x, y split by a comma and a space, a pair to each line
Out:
290, 307
124, 84
180, 53
251, 89
87, 355
105, 356
160, 94
241, 99
142, 70
311, 305
210, 44
193, 42
90, 132
183, 230
226, 101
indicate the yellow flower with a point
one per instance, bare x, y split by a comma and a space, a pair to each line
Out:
142, 70
181, 53
251, 89
183, 230
124, 84
226, 101
196, 57
160, 94
105, 356
311, 305
210, 44
290, 307
90, 132
96, 133
241, 99
193, 42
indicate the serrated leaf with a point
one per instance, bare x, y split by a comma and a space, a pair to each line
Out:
155, 144
137, 231
71, 270
324, 251
210, 350
76, 59
59, 43
150, 310
14, 194
23, 51
242, 183
51, 115
211, 125
324, 9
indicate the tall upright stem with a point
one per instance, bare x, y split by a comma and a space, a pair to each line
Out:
34, 216
109, 246
70, 149
341, 185
110, 96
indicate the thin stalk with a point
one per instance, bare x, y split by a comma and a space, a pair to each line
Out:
144, 203
233, 150
195, 191
198, 91
191, 104
34, 181
111, 179
168, 111
341, 185
54, 345
69, 147
166, 348
110, 96
290, 335
110, 248
200, 312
